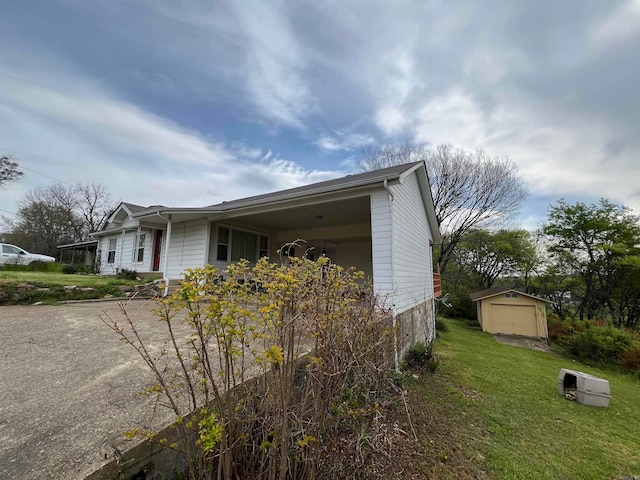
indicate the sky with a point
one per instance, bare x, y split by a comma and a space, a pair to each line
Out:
193, 102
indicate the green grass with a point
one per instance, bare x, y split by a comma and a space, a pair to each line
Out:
54, 279
534, 432
48, 286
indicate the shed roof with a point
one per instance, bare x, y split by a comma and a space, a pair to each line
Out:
493, 291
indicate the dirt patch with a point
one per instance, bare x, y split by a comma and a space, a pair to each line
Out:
449, 445
523, 342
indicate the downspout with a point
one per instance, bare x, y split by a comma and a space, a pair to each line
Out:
165, 276
396, 359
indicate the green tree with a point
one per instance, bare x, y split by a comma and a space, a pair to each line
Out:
491, 255
600, 244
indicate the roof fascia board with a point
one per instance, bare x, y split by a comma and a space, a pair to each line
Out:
427, 198
277, 203
308, 194
121, 206
512, 290
294, 202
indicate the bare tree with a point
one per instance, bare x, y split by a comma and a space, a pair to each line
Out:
470, 190
94, 204
46, 218
9, 171
59, 214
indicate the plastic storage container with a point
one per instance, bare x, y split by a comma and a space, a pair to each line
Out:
589, 390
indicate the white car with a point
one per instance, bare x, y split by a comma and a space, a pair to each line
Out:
12, 255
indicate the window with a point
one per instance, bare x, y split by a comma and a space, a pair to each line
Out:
243, 245
11, 250
264, 246
234, 245
111, 252
511, 295
138, 254
223, 244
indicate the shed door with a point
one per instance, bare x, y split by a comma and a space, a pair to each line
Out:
514, 319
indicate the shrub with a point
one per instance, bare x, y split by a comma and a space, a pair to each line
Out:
630, 358
313, 332
441, 326
599, 344
69, 269
420, 357
125, 274
461, 306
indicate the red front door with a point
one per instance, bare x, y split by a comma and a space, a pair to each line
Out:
157, 246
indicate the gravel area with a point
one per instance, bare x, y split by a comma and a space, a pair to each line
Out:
69, 388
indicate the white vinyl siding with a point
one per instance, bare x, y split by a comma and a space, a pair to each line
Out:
188, 246
412, 267
381, 243
123, 253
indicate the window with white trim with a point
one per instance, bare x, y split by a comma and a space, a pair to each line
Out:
234, 244
111, 251
511, 295
138, 253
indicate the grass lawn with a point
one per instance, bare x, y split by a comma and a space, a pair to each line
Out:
55, 279
25, 287
530, 431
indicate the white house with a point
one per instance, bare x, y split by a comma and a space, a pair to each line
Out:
382, 222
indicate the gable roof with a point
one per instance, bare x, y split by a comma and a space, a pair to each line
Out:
315, 191
494, 291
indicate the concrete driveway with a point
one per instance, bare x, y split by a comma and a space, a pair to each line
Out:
68, 388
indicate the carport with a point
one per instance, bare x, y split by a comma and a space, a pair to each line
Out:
511, 312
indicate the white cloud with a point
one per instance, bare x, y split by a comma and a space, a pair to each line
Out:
274, 69
343, 140
72, 130
453, 117
558, 154
391, 119
622, 24
394, 86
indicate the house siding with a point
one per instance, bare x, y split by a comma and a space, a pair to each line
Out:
412, 264
125, 253
188, 247
381, 244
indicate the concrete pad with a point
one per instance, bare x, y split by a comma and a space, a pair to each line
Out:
532, 343
69, 388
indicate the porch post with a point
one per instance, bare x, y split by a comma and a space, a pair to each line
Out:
165, 273
121, 248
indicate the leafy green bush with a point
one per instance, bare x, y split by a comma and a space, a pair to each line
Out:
420, 357
69, 269
597, 344
127, 274
461, 306
441, 326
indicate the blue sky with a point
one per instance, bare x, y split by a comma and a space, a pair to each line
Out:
189, 103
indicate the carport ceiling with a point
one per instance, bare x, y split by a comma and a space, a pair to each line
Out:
342, 212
